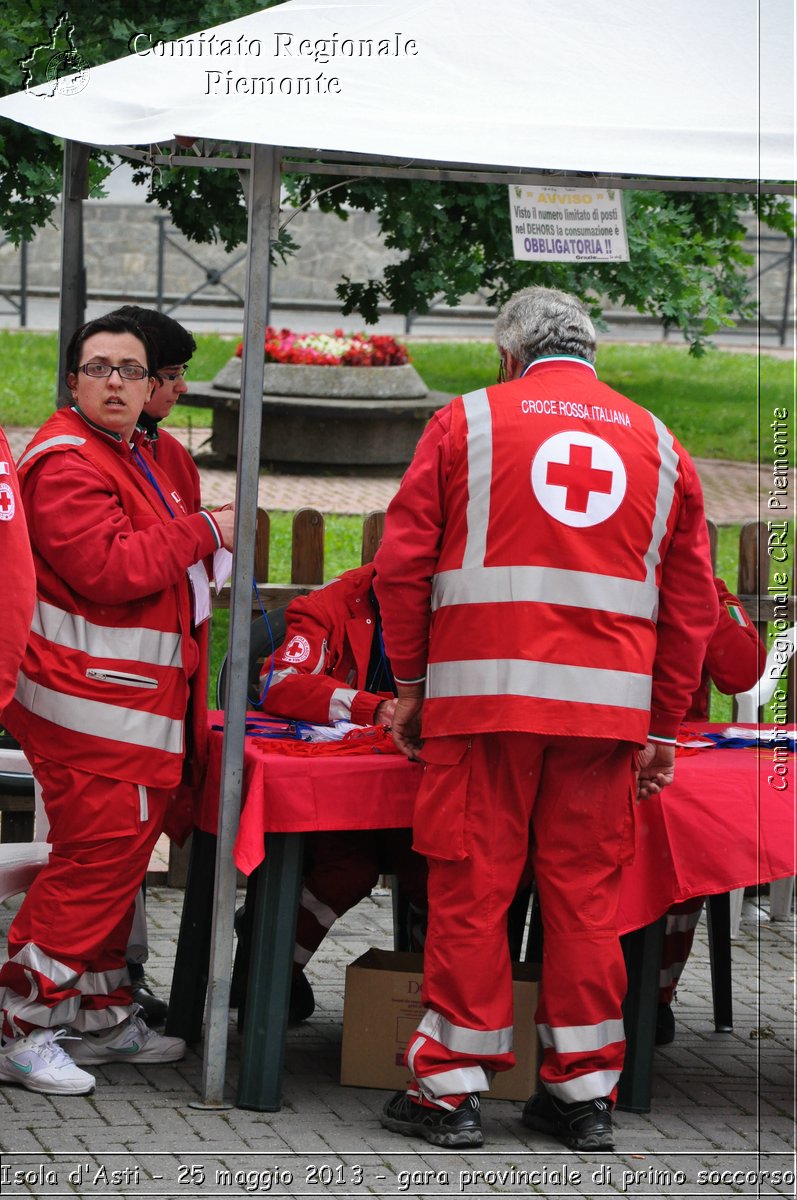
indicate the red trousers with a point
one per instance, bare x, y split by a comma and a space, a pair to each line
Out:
479, 801
67, 943
679, 933
341, 869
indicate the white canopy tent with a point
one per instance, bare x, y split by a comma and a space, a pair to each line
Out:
691, 89
692, 93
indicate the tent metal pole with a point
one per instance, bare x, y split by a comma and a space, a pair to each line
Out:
73, 271
264, 188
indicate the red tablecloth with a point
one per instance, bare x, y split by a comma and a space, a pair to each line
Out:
719, 826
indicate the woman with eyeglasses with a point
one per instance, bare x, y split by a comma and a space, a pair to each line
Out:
100, 710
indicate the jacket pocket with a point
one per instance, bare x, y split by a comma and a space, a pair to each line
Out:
441, 804
121, 677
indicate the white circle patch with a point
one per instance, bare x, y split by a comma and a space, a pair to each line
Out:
297, 649
7, 502
578, 478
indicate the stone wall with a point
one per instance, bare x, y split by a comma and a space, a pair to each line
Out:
121, 255
121, 252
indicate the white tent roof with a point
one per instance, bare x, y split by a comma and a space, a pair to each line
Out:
686, 89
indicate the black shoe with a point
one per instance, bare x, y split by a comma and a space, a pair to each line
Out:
665, 1025
585, 1125
155, 1011
302, 1001
442, 1127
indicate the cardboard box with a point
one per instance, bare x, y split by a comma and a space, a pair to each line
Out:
382, 1009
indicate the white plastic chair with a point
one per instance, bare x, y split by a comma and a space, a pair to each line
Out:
781, 891
20, 862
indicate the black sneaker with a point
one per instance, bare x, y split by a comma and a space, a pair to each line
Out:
442, 1127
302, 1002
585, 1125
154, 1010
665, 1025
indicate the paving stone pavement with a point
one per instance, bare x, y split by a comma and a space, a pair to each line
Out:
722, 1114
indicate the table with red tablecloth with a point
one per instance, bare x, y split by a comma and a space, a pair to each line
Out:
726, 822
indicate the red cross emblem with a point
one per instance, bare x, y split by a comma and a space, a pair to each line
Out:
7, 503
578, 478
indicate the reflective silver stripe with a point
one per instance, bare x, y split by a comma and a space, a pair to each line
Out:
576, 1039
322, 912
542, 680
94, 719
143, 803
671, 974
64, 439
30, 955
668, 473
104, 641
480, 469
280, 676
448, 1083
592, 1086
451, 1083
68, 1011
544, 585
340, 704
461, 1040
681, 922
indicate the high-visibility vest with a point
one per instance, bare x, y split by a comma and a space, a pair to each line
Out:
104, 688
560, 505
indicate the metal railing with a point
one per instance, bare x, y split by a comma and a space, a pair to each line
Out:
17, 298
213, 275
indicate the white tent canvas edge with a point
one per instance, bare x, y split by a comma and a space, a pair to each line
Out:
708, 96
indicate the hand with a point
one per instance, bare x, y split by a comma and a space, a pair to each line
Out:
655, 768
225, 519
384, 712
406, 725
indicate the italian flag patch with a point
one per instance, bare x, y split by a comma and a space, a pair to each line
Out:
736, 613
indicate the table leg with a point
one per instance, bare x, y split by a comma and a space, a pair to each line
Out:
268, 993
718, 921
642, 950
190, 977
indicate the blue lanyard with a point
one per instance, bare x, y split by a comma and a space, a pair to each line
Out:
139, 457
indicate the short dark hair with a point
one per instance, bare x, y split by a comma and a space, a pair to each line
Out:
110, 323
173, 343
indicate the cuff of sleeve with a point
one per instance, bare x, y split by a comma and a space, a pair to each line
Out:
663, 741
364, 706
214, 527
664, 726
410, 682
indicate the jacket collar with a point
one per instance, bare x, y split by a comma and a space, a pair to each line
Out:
568, 360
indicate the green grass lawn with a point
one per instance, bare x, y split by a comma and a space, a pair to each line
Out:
712, 404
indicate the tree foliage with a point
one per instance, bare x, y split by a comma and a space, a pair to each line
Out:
687, 267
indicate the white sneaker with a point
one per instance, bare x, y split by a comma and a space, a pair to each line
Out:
132, 1041
37, 1062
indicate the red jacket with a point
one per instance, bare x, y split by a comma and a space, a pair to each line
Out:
20, 578
735, 657
175, 461
547, 557
105, 680
327, 643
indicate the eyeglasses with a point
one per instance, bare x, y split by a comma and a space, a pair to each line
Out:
172, 375
99, 370
501, 370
